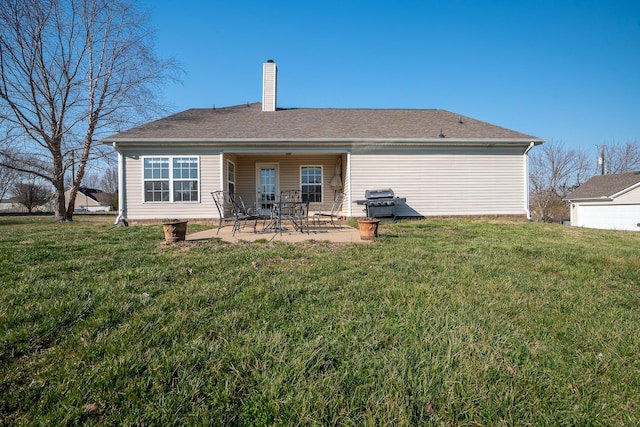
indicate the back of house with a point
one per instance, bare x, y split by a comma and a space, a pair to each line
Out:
442, 163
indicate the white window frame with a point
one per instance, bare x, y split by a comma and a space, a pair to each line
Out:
171, 179
229, 181
321, 183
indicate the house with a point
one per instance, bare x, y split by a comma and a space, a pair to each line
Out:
11, 206
609, 202
443, 163
91, 200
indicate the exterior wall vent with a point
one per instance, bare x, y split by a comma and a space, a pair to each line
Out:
269, 85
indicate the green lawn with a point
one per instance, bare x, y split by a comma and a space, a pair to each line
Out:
438, 322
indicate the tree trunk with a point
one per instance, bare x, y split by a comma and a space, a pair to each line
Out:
60, 207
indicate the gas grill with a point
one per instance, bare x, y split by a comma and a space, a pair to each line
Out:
381, 203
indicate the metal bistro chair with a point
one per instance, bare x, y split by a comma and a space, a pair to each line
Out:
247, 214
336, 207
297, 213
231, 207
224, 206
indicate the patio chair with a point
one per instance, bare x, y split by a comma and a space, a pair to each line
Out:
224, 206
302, 220
336, 207
231, 207
297, 213
242, 213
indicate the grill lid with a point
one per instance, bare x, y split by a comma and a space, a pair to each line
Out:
386, 193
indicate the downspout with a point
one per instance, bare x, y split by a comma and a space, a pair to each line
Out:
122, 209
526, 180
347, 185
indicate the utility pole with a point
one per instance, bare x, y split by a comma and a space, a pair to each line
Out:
601, 160
73, 166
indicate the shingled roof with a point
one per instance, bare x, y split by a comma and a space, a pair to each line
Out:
605, 186
97, 195
249, 122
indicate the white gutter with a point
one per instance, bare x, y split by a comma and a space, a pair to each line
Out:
526, 180
322, 142
122, 209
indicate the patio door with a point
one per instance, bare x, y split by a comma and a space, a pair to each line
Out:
266, 184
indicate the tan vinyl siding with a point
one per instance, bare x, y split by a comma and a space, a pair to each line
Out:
471, 181
209, 180
435, 181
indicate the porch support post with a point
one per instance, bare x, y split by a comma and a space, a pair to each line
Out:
221, 171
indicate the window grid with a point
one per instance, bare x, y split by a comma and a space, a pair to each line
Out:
311, 183
183, 185
185, 176
231, 177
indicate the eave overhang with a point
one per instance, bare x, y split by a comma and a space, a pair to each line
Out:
591, 199
306, 143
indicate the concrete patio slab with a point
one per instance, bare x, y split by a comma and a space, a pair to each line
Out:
339, 234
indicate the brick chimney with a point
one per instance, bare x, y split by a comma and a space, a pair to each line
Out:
269, 84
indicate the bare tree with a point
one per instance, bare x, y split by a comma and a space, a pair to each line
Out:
554, 171
71, 70
109, 180
31, 194
90, 180
109, 184
619, 158
7, 177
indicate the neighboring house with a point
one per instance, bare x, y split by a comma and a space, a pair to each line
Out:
91, 200
443, 163
11, 206
610, 202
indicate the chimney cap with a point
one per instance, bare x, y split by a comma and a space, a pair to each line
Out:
271, 61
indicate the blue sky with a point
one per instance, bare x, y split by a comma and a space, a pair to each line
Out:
565, 71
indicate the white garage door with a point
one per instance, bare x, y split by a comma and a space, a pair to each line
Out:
610, 217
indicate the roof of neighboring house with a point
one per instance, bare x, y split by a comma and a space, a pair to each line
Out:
249, 122
605, 186
98, 195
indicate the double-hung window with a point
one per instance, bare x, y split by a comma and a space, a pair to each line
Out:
185, 179
156, 179
311, 183
171, 179
231, 177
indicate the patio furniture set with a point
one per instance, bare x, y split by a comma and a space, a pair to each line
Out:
288, 212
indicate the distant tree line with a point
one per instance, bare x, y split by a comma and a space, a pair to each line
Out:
555, 170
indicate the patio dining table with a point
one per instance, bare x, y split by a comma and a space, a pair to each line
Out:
296, 212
